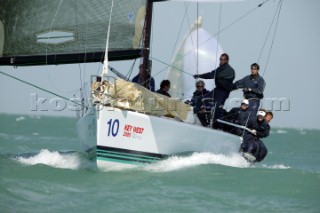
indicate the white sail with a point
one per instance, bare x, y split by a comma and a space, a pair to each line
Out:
184, 63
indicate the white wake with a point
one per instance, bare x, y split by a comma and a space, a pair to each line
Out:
75, 161
196, 159
68, 160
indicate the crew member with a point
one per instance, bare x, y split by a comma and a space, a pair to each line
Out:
224, 76
253, 86
148, 79
164, 88
251, 140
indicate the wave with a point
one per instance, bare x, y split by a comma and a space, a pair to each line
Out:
180, 162
282, 131
196, 159
76, 160
21, 118
276, 166
57, 159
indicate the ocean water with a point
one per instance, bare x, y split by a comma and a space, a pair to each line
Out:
43, 170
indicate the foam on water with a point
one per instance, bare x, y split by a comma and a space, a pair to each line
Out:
64, 160
282, 131
75, 160
21, 118
120, 167
180, 162
276, 166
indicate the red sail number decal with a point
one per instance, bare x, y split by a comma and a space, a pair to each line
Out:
130, 130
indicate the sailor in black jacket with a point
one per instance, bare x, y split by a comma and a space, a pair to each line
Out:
201, 102
253, 86
251, 141
237, 115
164, 88
224, 76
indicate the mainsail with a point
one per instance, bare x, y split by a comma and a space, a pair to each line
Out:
68, 31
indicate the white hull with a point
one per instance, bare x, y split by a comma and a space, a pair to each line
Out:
87, 132
134, 138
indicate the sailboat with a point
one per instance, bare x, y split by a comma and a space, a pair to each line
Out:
122, 122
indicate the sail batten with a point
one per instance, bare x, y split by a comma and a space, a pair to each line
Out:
36, 30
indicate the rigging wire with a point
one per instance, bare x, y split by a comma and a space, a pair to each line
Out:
246, 123
168, 65
197, 62
82, 92
215, 73
186, 5
131, 69
223, 29
236, 21
274, 35
83, 87
76, 17
40, 88
218, 37
269, 30
191, 38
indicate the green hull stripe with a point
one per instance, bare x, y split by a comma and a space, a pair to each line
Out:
128, 155
117, 161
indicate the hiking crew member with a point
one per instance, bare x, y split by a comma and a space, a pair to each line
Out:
251, 141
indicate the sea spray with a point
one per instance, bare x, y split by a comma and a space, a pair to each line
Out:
58, 159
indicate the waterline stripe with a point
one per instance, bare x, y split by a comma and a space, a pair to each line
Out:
127, 154
126, 157
131, 152
117, 161
122, 160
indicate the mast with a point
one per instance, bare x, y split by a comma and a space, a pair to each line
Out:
146, 65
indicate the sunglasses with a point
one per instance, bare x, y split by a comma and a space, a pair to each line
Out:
199, 86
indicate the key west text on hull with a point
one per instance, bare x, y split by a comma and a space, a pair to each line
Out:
123, 136
131, 137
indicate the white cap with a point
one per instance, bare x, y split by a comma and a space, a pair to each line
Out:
245, 101
262, 113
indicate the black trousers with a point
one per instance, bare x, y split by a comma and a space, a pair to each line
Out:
204, 118
220, 96
254, 146
253, 108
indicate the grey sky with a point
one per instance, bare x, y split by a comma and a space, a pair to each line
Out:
292, 73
